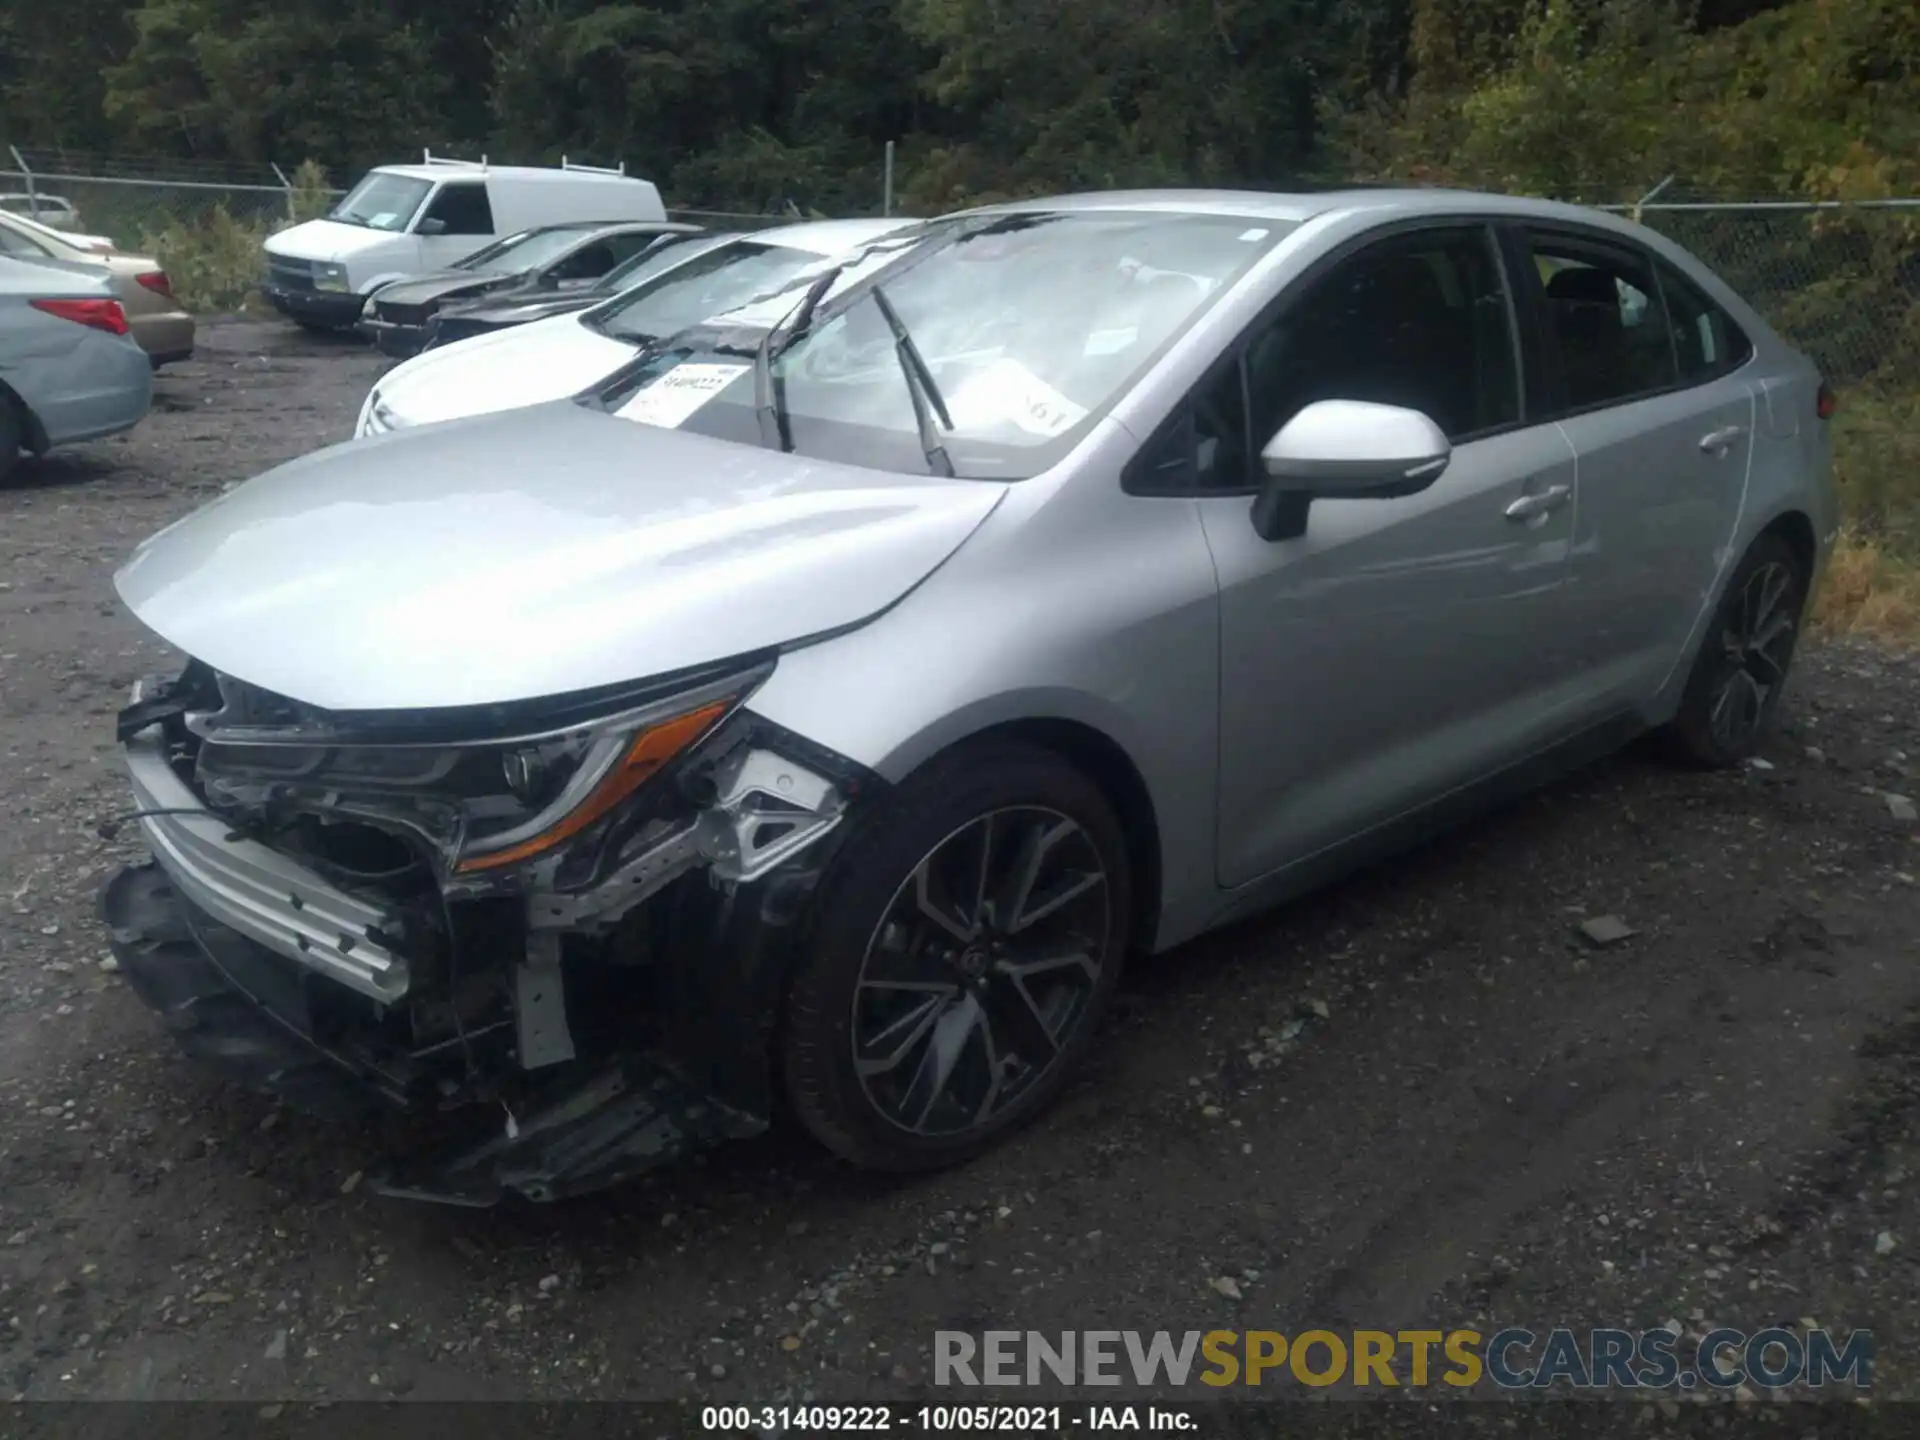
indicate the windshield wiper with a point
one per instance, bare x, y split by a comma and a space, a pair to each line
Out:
769, 391
921, 389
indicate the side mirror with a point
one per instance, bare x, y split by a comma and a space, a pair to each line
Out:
1345, 450
431, 226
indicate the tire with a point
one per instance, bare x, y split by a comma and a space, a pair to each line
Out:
12, 436
1733, 691
878, 971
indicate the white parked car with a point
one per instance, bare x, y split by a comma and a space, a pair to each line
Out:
406, 220
54, 210
551, 359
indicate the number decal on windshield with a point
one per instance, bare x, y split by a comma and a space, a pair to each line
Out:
676, 395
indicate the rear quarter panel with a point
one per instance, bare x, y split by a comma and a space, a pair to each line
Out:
77, 383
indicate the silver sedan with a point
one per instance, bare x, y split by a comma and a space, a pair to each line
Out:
69, 369
830, 702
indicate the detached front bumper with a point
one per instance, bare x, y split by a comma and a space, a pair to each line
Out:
395, 338
336, 309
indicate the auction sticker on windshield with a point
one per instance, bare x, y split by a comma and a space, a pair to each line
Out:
1008, 391
676, 395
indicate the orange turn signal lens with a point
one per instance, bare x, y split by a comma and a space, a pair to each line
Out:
651, 748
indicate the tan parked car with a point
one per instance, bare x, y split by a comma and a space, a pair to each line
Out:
163, 329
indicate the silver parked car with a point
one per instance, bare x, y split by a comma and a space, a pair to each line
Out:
69, 368
827, 706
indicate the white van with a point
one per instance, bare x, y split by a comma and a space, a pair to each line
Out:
406, 219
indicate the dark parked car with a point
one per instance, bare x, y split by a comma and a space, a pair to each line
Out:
553, 259
516, 305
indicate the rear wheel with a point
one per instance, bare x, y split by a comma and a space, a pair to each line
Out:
1734, 690
963, 949
13, 435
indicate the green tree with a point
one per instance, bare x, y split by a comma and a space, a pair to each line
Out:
232, 79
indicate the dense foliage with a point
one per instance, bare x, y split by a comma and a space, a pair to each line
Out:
759, 104
747, 102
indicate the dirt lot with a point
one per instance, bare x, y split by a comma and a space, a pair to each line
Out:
1710, 1122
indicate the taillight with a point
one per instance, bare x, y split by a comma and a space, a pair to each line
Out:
1825, 402
156, 281
94, 314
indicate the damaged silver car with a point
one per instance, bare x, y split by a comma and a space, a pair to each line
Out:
821, 710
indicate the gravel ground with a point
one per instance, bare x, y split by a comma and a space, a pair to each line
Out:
1420, 1097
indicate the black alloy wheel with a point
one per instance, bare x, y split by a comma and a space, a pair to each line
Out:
965, 943
1734, 689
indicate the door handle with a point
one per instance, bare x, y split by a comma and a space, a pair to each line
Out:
1540, 502
1716, 442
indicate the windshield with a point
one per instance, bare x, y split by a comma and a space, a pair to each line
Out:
528, 250
381, 202
1032, 326
685, 295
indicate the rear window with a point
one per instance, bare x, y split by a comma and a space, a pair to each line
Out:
705, 286
666, 251
528, 250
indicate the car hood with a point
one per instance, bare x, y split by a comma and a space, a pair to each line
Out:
547, 360
515, 557
512, 309
439, 285
329, 241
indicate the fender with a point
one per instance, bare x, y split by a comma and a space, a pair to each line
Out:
1666, 700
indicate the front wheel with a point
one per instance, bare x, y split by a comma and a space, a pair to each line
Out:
963, 949
1734, 689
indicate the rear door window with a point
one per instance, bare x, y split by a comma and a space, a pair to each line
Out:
1604, 319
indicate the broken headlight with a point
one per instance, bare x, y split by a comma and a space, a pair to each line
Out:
484, 804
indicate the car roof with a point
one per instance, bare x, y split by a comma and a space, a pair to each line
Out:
665, 227
533, 174
829, 237
1300, 206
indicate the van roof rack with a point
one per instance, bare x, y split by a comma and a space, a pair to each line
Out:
427, 157
566, 164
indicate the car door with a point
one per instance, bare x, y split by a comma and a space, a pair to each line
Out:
460, 219
1661, 457
1395, 650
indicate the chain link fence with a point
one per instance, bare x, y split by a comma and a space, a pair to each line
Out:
125, 197
206, 222
1841, 282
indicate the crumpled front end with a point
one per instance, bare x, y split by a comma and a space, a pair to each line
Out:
567, 922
